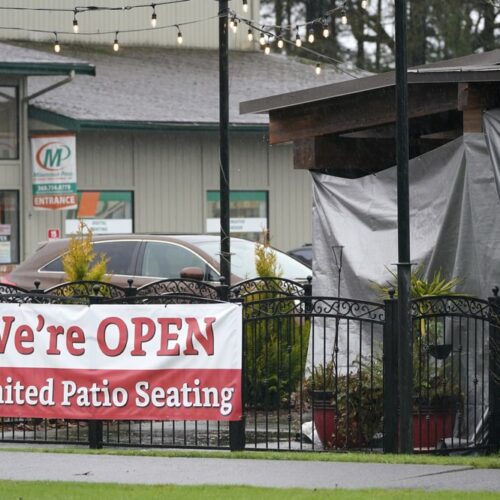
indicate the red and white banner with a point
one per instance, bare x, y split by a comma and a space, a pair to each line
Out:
121, 362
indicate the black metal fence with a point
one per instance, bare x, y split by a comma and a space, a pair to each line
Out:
319, 373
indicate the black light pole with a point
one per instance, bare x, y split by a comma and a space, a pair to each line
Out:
404, 266
236, 428
225, 242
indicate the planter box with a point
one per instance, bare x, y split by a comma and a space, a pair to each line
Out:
431, 425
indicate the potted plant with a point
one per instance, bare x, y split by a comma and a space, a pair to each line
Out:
347, 407
437, 398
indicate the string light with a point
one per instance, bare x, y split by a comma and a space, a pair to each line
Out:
154, 19
324, 20
343, 16
364, 4
326, 30
245, 5
310, 38
298, 40
318, 69
76, 28
57, 47
267, 49
179, 36
116, 45
234, 24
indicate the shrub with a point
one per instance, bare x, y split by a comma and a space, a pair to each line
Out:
81, 262
276, 336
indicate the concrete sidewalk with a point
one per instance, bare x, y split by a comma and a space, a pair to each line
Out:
21, 465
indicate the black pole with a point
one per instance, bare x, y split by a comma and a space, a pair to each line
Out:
236, 428
225, 242
404, 266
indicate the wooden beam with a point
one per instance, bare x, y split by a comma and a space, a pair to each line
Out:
350, 158
355, 157
358, 111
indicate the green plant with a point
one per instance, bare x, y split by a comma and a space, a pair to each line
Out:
356, 399
419, 286
266, 260
276, 336
434, 380
81, 262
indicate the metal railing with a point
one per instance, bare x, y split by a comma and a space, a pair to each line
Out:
319, 373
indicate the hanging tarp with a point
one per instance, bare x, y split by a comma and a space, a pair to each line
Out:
454, 222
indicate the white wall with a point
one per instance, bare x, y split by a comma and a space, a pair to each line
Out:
170, 173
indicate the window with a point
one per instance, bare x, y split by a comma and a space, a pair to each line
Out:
165, 260
104, 212
9, 227
249, 213
122, 256
9, 144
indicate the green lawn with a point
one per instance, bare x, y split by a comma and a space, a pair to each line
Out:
483, 462
40, 490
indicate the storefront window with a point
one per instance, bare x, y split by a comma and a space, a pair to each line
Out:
9, 146
9, 227
249, 213
104, 212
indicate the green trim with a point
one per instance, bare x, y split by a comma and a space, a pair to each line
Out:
32, 69
78, 125
214, 196
53, 118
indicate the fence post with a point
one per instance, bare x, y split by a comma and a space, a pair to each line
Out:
390, 377
494, 374
95, 426
236, 428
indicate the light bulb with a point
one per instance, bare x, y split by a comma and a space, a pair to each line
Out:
235, 26
343, 17
298, 41
116, 45
310, 37
364, 4
267, 50
57, 47
179, 38
154, 20
281, 43
250, 35
318, 69
326, 30
76, 28
262, 39
245, 5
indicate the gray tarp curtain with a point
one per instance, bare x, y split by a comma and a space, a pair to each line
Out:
454, 218
455, 228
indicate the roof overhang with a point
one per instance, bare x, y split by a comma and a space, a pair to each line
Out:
370, 84
76, 125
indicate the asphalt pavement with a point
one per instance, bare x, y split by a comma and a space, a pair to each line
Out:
20, 465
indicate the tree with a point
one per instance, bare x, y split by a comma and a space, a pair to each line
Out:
437, 29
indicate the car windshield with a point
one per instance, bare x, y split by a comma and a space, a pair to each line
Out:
243, 260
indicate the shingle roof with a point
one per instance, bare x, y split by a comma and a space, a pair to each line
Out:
24, 61
164, 85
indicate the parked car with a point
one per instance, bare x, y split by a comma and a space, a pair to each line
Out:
303, 253
146, 258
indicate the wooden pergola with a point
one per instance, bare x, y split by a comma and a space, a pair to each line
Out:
348, 129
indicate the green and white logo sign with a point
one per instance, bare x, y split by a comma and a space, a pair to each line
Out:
54, 171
